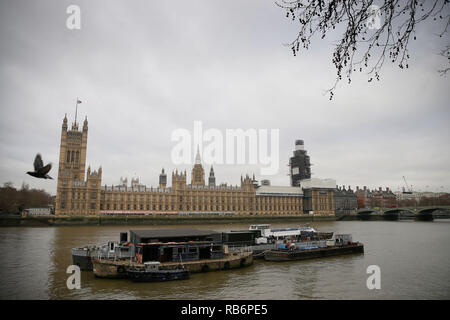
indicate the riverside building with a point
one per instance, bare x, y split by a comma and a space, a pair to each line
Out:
80, 194
345, 200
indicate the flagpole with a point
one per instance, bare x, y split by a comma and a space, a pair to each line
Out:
76, 109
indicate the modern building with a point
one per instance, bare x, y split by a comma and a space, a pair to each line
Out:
80, 194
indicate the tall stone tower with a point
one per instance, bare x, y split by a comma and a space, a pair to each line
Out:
198, 174
300, 164
212, 178
162, 179
75, 193
178, 180
72, 152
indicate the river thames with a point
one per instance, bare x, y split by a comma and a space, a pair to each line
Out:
413, 256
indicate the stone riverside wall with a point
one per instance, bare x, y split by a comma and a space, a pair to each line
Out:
16, 221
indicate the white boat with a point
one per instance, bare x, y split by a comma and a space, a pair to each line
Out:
280, 233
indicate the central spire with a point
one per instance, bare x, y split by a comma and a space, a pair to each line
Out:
198, 174
197, 157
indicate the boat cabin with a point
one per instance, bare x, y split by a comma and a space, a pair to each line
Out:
116, 250
259, 226
343, 239
282, 233
239, 237
178, 251
152, 265
173, 235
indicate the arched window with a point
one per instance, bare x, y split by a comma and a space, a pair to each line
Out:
71, 158
68, 156
77, 156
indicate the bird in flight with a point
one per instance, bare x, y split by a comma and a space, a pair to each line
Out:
39, 170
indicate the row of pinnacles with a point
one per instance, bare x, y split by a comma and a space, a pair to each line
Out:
80, 194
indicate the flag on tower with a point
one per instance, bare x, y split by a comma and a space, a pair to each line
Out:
78, 101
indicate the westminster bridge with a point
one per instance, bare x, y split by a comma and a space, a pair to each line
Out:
418, 213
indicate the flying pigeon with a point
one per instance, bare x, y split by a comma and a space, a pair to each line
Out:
39, 170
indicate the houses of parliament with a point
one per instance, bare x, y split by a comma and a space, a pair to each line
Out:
80, 193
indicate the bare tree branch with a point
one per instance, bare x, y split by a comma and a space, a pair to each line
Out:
371, 34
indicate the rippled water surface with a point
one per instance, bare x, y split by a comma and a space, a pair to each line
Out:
414, 258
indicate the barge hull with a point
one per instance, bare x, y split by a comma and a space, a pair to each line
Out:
84, 262
282, 255
157, 276
118, 269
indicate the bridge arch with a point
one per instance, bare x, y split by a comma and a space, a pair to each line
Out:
367, 211
397, 211
426, 211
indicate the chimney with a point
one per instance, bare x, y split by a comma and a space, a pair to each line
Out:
379, 189
387, 189
365, 187
343, 187
357, 188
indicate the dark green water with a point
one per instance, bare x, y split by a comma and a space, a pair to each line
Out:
414, 258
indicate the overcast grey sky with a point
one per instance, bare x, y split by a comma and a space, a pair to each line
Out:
145, 68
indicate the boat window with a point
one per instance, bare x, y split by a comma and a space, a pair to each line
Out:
192, 249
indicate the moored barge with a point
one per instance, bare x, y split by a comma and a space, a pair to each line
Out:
116, 269
261, 237
341, 245
152, 273
196, 250
82, 256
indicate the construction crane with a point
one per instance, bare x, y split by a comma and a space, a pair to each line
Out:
409, 188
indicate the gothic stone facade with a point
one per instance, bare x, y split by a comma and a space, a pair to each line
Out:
78, 194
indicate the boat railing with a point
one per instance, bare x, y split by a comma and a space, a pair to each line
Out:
240, 248
100, 254
319, 243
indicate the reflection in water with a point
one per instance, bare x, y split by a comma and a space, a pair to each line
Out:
25, 262
413, 257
